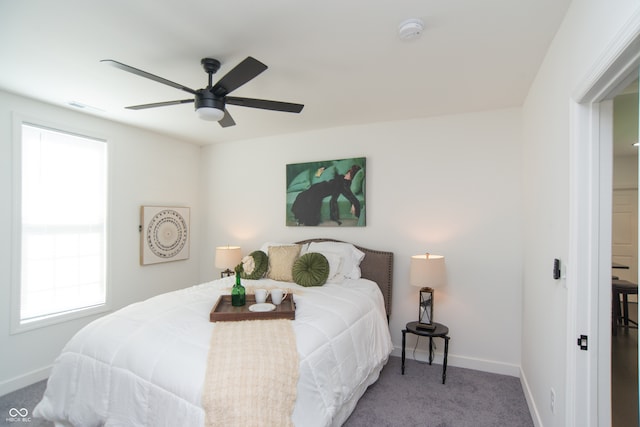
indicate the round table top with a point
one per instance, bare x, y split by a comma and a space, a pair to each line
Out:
624, 286
440, 330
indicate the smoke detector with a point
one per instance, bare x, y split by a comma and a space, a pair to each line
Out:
410, 29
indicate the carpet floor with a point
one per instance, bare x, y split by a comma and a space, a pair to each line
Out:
418, 398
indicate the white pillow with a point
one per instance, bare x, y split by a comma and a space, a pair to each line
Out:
335, 262
351, 257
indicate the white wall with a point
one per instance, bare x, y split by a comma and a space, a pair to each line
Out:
449, 185
625, 173
146, 168
625, 132
587, 29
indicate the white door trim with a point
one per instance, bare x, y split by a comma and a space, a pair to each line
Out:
584, 266
588, 391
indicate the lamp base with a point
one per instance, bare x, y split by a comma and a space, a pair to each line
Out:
226, 273
425, 326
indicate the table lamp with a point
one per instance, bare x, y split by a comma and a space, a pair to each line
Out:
427, 272
227, 257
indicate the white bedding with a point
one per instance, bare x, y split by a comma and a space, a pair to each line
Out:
144, 365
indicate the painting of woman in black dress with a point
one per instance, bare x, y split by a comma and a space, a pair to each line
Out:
329, 193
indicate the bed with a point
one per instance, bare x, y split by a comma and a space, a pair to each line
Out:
144, 364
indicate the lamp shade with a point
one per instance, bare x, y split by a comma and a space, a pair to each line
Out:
427, 270
228, 256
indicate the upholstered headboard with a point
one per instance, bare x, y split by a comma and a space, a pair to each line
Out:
376, 266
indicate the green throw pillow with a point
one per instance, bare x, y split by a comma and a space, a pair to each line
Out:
261, 264
311, 269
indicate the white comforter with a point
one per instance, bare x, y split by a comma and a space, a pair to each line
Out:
144, 365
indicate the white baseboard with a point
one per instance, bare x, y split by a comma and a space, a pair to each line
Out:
24, 380
533, 409
484, 365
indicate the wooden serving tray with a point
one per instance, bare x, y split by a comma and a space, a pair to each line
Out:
223, 311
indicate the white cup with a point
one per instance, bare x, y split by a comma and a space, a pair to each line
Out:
261, 295
278, 295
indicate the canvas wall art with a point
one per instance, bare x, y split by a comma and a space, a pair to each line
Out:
327, 193
164, 234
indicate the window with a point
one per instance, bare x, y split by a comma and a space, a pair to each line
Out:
62, 222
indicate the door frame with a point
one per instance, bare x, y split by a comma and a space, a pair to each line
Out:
588, 394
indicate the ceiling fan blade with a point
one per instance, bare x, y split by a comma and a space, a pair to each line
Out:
150, 76
264, 104
227, 120
241, 74
159, 104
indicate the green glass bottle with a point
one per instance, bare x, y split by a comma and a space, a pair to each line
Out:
238, 296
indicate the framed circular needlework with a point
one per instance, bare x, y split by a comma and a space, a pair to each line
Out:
164, 234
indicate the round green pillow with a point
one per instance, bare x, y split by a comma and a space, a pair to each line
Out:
311, 269
262, 263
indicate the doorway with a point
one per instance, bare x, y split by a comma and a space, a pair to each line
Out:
590, 252
624, 255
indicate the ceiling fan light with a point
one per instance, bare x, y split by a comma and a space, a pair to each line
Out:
210, 113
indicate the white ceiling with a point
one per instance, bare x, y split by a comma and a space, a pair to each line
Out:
342, 59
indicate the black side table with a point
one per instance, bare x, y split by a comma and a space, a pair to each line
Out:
440, 331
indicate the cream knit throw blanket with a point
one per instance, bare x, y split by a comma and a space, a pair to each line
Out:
252, 374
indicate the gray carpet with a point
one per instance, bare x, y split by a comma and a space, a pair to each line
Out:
418, 398
26, 398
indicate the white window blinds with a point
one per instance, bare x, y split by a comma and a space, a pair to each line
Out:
63, 223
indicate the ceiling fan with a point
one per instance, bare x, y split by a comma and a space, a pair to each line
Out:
210, 102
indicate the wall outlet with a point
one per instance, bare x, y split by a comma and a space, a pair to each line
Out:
552, 400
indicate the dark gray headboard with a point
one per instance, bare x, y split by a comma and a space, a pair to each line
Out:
376, 266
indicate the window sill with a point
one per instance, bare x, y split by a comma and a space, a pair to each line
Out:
19, 327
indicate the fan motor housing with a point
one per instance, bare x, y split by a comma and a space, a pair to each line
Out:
204, 98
